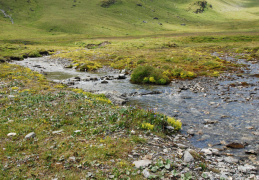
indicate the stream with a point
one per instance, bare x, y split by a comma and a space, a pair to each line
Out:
214, 111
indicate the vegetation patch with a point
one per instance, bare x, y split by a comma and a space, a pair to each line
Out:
107, 3
72, 141
148, 75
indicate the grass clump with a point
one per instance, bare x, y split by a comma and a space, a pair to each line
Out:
107, 3
148, 75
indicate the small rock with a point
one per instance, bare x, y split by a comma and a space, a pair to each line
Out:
132, 132
206, 151
171, 128
142, 163
146, 173
209, 121
246, 168
121, 76
231, 160
72, 159
11, 96
182, 146
165, 150
104, 82
30, 135
235, 145
57, 132
111, 176
188, 157
148, 156
251, 152
11, 134
204, 137
190, 132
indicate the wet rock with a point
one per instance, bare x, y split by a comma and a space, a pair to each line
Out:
104, 82
191, 132
142, 163
121, 76
188, 157
204, 137
209, 121
74, 79
186, 97
251, 152
86, 79
93, 79
11, 134
235, 145
30, 135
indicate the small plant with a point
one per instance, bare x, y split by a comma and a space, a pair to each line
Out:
149, 75
107, 3
147, 126
177, 124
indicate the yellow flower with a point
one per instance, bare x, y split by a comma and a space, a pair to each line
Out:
147, 126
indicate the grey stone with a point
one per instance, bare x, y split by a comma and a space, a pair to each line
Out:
142, 163
190, 132
57, 132
246, 168
11, 134
182, 146
30, 135
188, 157
206, 151
230, 160
146, 173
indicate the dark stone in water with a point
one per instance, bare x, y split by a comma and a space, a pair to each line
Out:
104, 82
235, 145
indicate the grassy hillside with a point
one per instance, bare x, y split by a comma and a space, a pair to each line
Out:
126, 17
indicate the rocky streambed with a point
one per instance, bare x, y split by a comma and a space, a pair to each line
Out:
220, 115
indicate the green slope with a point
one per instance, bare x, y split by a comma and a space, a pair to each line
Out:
126, 17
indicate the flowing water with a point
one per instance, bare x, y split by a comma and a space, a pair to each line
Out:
216, 110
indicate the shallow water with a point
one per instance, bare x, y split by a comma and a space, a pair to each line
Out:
231, 100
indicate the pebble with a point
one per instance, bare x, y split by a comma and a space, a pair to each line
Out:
11, 134
206, 151
188, 157
146, 173
30, 135
230, 160
142, 163
57, 132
